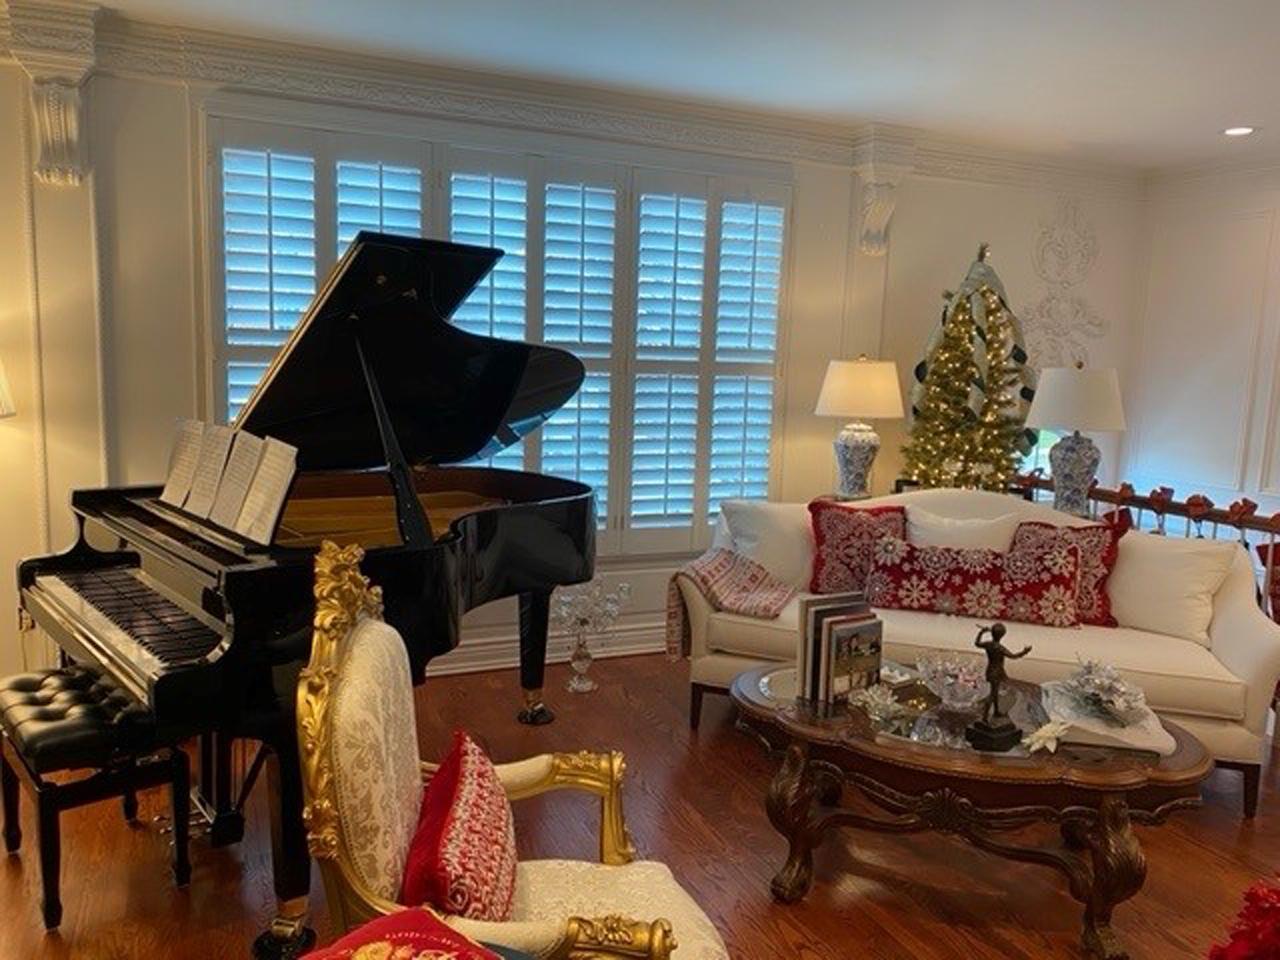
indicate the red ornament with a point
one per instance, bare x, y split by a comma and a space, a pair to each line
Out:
1256, 932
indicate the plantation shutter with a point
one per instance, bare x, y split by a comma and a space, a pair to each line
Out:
377, 196
490, 211
268, 255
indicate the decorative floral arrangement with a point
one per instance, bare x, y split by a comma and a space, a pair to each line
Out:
1256, 932
957, 679
1046, 737
1098, 688
878, 700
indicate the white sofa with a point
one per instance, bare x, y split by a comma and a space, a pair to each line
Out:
1221, 690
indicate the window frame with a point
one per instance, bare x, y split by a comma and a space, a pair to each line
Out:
440, 147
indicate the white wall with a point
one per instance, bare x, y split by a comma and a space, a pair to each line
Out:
1204, 407
144, 225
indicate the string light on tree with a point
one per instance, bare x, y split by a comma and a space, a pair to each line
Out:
972, 392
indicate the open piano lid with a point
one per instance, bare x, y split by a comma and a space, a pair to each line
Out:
449, 395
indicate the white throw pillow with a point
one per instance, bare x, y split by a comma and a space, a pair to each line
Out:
1166, 584
778, 536
930, 530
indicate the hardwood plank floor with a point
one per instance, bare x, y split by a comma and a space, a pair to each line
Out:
694, 801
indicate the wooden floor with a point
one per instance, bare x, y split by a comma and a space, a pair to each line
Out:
694, 801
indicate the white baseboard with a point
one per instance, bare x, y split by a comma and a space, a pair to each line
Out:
481, 651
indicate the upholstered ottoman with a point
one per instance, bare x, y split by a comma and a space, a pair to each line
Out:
71, 718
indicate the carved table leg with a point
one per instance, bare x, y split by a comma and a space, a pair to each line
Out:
790, 804
1075, 834
1119, 869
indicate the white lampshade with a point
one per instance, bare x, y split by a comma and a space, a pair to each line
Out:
860, 388
7, 409
1073, 398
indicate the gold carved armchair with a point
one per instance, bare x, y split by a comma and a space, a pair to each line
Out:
363, 783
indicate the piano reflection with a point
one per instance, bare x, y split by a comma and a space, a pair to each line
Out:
383, 399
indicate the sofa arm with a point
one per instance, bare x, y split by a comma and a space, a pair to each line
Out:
698, 610
1246, 640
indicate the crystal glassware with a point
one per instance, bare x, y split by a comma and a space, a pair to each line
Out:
957, 679
584, 611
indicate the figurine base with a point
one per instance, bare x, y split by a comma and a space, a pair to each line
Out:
993, 737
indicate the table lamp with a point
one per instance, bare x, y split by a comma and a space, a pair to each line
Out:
1073, 398
859, 388
7, 409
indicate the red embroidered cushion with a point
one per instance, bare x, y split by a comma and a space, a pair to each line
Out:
1031, 585
1273, 565
462, 859
1099, 545
411, 934
843, 536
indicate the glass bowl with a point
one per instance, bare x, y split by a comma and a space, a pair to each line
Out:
957, 679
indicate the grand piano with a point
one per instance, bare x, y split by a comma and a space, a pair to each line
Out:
383, 399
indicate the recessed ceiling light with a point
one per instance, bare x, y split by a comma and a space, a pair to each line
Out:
1239, 131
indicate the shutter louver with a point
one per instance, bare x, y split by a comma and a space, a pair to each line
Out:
673, 231
750, 278
578, 268
490, 211
664, 449
269, 244
242, 378
377, 196
575, 440
741, 421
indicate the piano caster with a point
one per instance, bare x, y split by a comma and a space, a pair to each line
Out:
288, 937
535, 712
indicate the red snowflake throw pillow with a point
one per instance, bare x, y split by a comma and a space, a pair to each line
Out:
409, 933
843, 537
462, 859
1099, 546
1034, 586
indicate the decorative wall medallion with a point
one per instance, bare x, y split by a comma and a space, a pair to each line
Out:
1060, 324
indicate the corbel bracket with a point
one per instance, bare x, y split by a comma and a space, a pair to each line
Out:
882, 159
55, 43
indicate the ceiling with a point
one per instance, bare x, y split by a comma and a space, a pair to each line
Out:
1144, 83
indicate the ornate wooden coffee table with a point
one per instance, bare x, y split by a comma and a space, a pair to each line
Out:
918, 769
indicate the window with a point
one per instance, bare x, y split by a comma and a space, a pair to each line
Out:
666, 284
269, 259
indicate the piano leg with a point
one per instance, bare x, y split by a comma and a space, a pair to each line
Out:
288, 936
534, 610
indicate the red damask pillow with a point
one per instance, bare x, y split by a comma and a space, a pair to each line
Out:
412, 933
1034, 586
462, 859
843, 536
1099, 546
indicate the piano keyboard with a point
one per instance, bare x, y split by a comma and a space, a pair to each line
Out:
129, 613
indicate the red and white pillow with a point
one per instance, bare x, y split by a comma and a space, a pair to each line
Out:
462, 859
1099, 546
1035, 584
412, 933
843, 539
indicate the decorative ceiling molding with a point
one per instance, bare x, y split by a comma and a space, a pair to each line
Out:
135, 48
54, 42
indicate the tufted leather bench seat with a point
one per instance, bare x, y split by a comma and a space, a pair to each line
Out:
73, 718
70, 718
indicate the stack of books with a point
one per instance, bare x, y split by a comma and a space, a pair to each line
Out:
839, 647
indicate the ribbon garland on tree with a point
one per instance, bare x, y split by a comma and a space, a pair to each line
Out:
972, 391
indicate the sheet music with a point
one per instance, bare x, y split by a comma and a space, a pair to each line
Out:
237, 477
182, 461
213, 457
266, 496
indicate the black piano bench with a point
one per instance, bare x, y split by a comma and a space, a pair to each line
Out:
71, 718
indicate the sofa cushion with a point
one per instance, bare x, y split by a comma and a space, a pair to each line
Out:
778, 536
843, 537
1099, 546
1166, 584
1035, 583
931, 530
1178, 676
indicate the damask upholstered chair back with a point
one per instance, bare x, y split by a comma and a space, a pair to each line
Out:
362, 776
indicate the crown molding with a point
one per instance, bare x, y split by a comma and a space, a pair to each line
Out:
1214, 178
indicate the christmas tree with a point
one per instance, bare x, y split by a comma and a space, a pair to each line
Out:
972, 393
